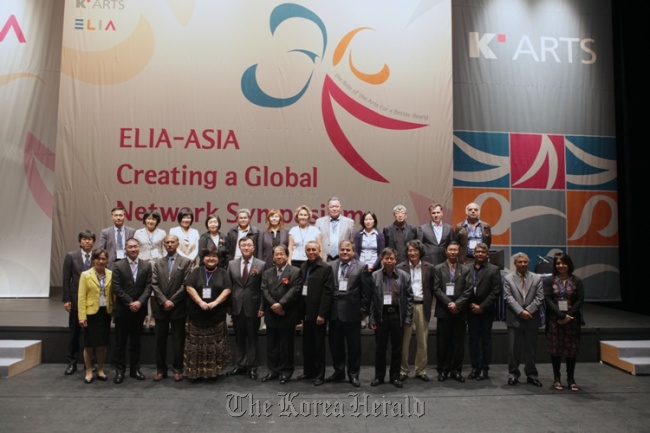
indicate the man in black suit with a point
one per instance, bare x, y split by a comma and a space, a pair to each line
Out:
281, 285
168, 275
317, 290
422, 285
241, 230
74, 263
246, 276
435, 235
132, 287
399, 233
113, 238
485, 279
350, 306
452, 291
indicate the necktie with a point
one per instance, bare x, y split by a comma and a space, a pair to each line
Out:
523, 284
120, 242
87, 262
244, 274
344, 270
134, 269
279, 272
170, 264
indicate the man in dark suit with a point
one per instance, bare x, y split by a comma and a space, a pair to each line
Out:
241, 230
351, 305
334, 228
523, 293
452, 291
281, 287
132, 287
113, 238
168, 275
485, 279
317, 290
74, 263
246, 276
399, 233
422, 286
435, 235
470, 232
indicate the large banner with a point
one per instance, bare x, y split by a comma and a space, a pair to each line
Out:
534, 131
222, 105
30, 43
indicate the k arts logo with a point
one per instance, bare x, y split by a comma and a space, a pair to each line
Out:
542, 49
333, 89
100, 4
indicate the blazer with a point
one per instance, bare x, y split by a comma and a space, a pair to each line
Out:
405, 297
320, 288
427, 285
246, 298
346, 232
381, 244
127, 290
275, 289
553, 309
462, 290
350, 305
462, 237
107, 242
233, 234
264, 249
73, 266
170, 287
516, 301
390, 234
435, 251
205, 241
146, 246
89, 289
487, 288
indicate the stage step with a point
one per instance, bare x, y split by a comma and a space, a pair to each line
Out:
630, 355
17, 356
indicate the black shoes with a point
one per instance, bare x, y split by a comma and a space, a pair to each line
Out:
355, 382
269, 377
252, 374
237, 371
442, 377
72, 368
319, 381
457, 377
534, 382
305, 377
336, 377
136, 374
397, 383
512, 381
284, 380
119, 377
376, 382
482, 375
402, 377
473, 374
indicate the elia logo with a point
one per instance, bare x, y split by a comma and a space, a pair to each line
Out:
92, 25
12, 24
100, 4
544, 49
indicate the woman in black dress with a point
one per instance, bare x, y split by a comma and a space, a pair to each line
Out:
564, 295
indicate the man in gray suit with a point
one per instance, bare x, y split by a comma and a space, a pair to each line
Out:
435, 235
523, 293
246, 276
168, 275
113, 239
334, 229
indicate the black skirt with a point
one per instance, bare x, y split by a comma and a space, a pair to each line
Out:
98, 331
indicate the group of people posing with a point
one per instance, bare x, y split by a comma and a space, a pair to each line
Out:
329, 278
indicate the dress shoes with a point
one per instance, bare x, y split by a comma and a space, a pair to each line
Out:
355, 382
88, 381
442, 377
136, 374
237, 371
159, 376
422, 377
534, 381
178, 377
270, 376
403, 377
252, 374
473, 374
336, 377
376, 382
119, 377
482, 375
72, 368
305, 377
284, 380
397, 383
457, 377
319, 381
512, 381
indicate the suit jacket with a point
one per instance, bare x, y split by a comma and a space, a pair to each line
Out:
275, 289
462, 237
264, 250
513, 294
462, 290
346, 232
427, 285
107, 241
320, 288
73, 266
486, 289
89, 289
435, 251
128, 290
205, 241
405, 297
170, 287
348, 306
231, 239
246, 298
390, 234
381, 244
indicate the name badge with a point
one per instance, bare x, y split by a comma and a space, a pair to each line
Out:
472, 244
343, 285
120, 254
155, 254
206, 293
304, 290
449, 289
563, 304
388, 299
